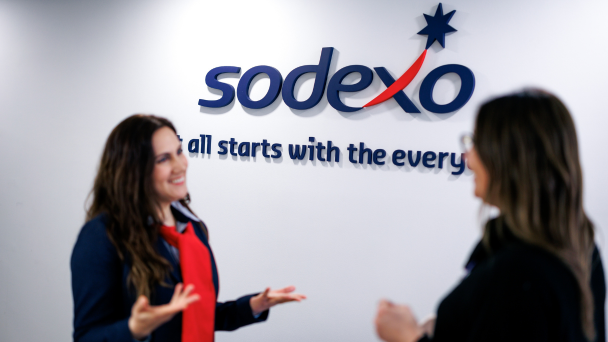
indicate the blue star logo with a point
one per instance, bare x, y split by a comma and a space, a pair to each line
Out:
437, 27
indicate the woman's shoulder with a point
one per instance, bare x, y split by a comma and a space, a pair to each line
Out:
507, 256
93, 240
527, 259
95, 228
524, 268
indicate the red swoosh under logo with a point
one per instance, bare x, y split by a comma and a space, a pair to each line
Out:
399, 84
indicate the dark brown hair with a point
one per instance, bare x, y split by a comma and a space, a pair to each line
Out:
528, 144
125, 193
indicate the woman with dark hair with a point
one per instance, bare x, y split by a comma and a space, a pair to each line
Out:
141, 241
536, 275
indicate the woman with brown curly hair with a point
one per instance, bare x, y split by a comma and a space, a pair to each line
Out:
141, 242
536, 275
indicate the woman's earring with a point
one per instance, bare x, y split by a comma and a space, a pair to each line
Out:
187, 198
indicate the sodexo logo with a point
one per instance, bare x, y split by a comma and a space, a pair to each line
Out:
437, 27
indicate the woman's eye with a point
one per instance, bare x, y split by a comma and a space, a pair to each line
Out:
179, 151
162, 160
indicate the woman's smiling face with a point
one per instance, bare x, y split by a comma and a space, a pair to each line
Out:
170, 166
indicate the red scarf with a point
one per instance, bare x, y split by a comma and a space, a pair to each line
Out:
198, 319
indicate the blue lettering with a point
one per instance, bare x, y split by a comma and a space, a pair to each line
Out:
404, 102
244, 152
193, 146
321, 70
464, 95
427, 158
460, 165
379, 154
227, 89
442, 155
335, 86
277, 153
412, 162
295, 152
398, 155
223, 148
276, 81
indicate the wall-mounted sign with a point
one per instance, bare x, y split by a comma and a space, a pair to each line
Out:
316, 150
437, 27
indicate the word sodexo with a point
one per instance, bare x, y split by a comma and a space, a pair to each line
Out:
437, 27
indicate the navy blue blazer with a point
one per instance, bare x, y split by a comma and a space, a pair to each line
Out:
103, 301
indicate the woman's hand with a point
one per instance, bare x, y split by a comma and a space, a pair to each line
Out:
396, 323
268, 299
428, 327
146, 318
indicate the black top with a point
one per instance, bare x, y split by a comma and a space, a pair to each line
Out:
518, 292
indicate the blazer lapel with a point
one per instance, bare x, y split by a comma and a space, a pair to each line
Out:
165, 253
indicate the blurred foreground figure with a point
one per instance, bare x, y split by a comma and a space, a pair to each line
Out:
537, 274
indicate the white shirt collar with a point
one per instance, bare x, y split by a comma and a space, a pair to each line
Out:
179, 207
181, 226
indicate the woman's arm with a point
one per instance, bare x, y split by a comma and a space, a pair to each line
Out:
99, 313
252, 308
235, 314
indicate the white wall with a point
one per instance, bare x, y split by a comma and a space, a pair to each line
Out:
345, 235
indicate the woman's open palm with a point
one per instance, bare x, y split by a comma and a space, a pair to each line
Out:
145, 318
270, 298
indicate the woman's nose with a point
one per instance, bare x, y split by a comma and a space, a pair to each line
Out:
180, 164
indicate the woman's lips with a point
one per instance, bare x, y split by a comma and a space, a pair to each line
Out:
178, 181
